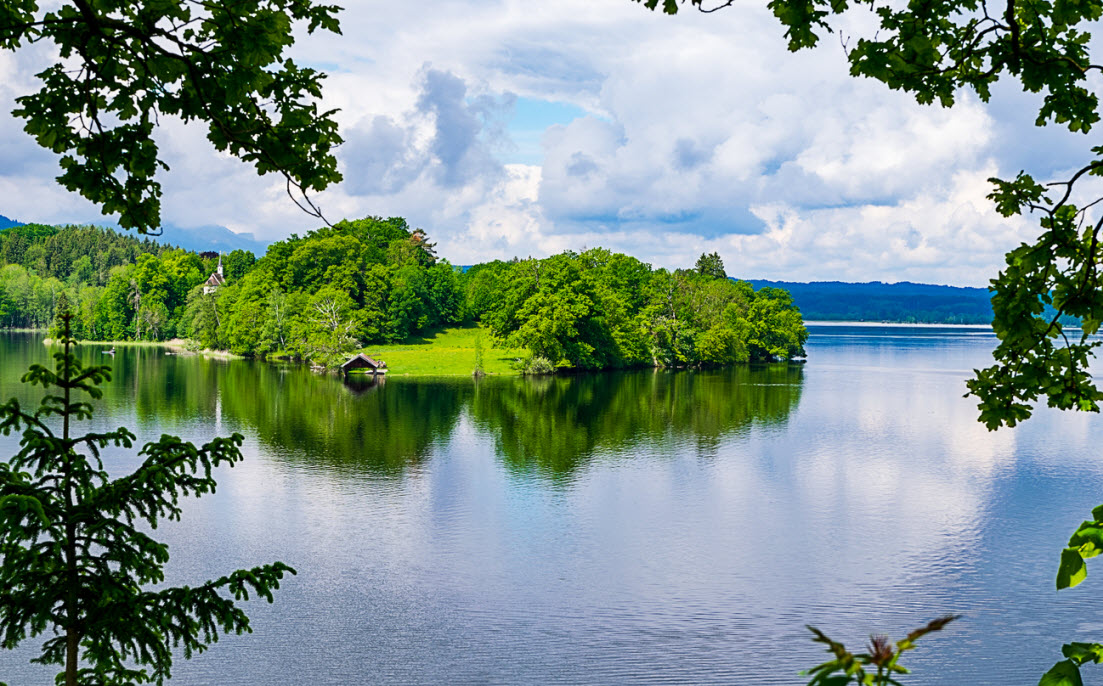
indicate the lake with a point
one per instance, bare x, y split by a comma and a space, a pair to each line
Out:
645, 527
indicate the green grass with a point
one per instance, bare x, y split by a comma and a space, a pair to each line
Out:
449, 352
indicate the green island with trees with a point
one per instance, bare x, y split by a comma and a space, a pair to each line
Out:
375, 282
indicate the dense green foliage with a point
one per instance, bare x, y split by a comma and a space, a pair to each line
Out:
323, 295
80, 254
372, 281
710, 264
600, 310
1086, 542
122, 66
76, 558
119, 287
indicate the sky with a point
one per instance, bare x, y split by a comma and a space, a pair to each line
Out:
524, 128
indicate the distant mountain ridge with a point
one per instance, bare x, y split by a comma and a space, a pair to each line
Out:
210, 238
6, 223
887, 302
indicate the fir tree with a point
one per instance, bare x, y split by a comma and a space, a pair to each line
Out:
74, 564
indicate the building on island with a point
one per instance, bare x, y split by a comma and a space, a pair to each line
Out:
368, 364
216, 280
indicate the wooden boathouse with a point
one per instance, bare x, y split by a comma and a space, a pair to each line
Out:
367, 364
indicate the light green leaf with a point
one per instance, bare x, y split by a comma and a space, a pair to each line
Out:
1064, 673
1083, 652
1072, 570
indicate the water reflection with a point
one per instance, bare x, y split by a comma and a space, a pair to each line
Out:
316, 419
359, 384
549, 426
553, 425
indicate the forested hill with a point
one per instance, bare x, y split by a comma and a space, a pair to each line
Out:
196, 239
887, 302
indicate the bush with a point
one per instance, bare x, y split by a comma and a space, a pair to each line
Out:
539, 365
534, 365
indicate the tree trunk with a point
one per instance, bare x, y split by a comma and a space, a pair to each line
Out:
72, 637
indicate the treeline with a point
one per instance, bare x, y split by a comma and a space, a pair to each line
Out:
903, 302
600, 310
322, 296
119, 287
41, 266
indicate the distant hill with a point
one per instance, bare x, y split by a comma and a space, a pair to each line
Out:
199, 238
887, 302
6, 223
211, 238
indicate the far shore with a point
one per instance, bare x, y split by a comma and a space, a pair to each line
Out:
831, 322
179, 346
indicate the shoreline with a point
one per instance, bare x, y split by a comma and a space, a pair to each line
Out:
179, 346
448, 357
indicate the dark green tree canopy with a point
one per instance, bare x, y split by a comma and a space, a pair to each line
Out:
710, 264
122, 66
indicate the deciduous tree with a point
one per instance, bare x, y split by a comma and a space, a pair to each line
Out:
123, 66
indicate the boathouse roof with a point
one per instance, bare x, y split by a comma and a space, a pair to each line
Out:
362, 361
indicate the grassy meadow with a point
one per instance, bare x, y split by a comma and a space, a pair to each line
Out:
448, 352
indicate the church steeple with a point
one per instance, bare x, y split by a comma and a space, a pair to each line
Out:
215, 280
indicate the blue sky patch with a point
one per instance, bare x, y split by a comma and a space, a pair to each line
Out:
531, 118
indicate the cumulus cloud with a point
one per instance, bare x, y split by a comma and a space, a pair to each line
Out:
947, 233
460, 144
27, 186
381, 157
447, 134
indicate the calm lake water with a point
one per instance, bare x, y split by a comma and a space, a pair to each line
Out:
646, 527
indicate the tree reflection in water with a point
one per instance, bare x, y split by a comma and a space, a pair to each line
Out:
545, 426
553, 425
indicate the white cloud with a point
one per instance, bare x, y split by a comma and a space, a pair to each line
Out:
945, 233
